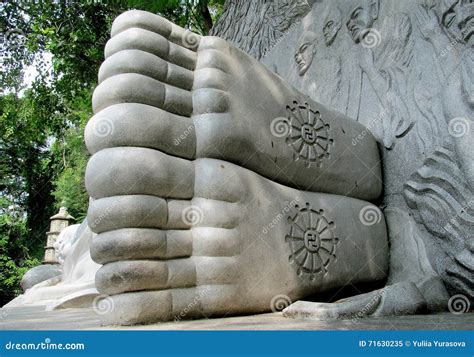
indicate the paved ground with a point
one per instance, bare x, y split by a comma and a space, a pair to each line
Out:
37, 319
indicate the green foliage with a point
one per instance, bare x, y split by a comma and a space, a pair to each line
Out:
42, 151
14, 247
25, 185
75, 33
195, 15
26, 162
69, 187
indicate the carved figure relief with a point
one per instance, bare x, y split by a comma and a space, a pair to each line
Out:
385, 66
332, 25
411, 84
441, 192
241, 17
332, 79
305, 54
452, 44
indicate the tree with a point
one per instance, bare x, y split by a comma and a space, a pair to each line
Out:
42, 153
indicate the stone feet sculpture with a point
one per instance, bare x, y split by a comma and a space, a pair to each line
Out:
189, 239
165, 88
192, 140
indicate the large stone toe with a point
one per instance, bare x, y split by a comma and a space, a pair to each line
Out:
116, 212
164, 305
147, 64
137, 275
138, 171
137, 88
141, 243
148, 41
140, 125
158, 25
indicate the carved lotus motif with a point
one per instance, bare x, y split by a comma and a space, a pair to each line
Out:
309, 135
312, 240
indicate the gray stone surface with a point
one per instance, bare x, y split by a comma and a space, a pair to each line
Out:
398, 299
192, 139
404, 70
39, 274
237, 111
78, 319
222, 185
75, 285
233, 257
276, 18
185, 228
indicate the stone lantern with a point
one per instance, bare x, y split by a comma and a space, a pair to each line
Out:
59, 221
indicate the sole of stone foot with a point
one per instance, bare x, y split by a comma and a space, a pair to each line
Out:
166, 88
185, 239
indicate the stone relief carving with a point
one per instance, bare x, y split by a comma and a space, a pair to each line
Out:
361, 19
332, 24
312, 240
449, 27
442, 201
386, 65
257, 34
305, 53
411, 79
441, 191
309, 135
337, 72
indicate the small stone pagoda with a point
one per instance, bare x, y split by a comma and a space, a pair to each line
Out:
59, 221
